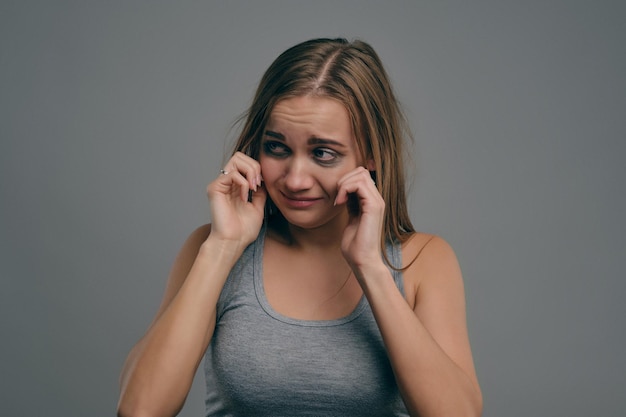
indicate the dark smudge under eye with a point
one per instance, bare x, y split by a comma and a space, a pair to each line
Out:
322, 155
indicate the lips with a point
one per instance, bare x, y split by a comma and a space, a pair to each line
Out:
298, 202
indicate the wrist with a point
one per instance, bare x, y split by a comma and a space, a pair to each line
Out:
372, 273
222, 250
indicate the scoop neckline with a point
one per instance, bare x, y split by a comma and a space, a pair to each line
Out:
259, 289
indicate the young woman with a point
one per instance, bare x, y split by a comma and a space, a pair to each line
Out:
310, 293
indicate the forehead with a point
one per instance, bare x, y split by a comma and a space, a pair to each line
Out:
317, 114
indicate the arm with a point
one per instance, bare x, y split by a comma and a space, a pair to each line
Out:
159, 370
425, 334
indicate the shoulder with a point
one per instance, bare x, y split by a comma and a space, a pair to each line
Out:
201, 233
183, 263
191, 247
438, 297
194, 241
431, 264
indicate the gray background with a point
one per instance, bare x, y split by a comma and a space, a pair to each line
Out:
114, 115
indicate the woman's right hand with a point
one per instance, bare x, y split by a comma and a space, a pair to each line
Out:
159, 371
234, 218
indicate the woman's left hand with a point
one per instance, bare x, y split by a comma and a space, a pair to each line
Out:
360, 244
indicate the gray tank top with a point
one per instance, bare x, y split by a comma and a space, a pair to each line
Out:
261, 363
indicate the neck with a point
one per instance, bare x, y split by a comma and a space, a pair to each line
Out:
325, 237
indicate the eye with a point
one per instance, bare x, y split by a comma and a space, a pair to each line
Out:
275, 148
325, 155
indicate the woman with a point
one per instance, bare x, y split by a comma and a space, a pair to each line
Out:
310, 293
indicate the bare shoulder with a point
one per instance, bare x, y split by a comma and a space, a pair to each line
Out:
189, 252
437, 297
431, 263
197, 238
183, 263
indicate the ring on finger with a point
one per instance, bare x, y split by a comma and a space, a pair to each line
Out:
223, 171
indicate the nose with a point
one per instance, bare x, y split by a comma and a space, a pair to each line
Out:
298, 176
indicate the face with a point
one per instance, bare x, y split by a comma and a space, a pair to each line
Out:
307, 146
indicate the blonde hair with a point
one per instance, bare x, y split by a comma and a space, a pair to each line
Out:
353, 74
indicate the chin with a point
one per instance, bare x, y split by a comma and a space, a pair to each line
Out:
309, 220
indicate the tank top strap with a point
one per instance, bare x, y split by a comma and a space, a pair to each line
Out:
394, 254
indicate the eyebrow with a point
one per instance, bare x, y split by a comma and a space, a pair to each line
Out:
312, 141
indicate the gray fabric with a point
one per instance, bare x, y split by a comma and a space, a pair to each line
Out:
261, 363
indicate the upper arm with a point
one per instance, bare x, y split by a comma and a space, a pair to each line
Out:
182, 265
435, 284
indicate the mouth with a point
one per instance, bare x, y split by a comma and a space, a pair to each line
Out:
299, 202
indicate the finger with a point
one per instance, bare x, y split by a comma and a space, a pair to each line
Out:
229, 183
258, 198
247, 167
358, 181
243, 183
359, 174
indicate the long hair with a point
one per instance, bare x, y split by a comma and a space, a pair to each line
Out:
353, 74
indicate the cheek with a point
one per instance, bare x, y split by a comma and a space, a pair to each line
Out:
328, 183
270, 169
